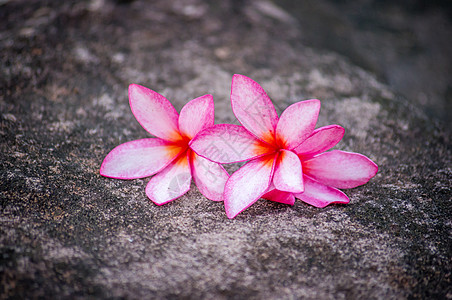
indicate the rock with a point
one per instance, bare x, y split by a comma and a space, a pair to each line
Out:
67, 232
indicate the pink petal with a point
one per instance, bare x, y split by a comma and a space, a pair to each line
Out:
297, 123
320, 195
138, 159
322, 139
226, 143
273, 194
247, 185
171, 183
253, 108
154, 112
196, 115
340, 169
288, 176
209, 177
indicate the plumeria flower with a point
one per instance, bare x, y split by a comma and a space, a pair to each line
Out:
168, 155
325, 172
282, 152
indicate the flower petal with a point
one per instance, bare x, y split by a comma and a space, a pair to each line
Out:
247, 185
297, 123
226, 143
275, 195
320, 195
209, 177
139, 158
288, 175
196, 115
322, 139
340, 169
154, 112
171, 183
253, 108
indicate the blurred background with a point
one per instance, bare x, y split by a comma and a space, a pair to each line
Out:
406, 43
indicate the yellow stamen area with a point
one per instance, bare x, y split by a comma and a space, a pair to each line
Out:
175, 136
268, 160
174, 149
280, 142
269, 137
281, 155
260, 148
182, 159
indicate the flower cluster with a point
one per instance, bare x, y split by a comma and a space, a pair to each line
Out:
286, 155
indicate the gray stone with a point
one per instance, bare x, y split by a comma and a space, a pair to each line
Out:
67, 232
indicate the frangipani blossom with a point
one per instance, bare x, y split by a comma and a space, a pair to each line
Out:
168, 155
265, 139
281, 152
325, 172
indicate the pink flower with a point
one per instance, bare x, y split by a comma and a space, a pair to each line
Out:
169, 155
324, 173
283, 153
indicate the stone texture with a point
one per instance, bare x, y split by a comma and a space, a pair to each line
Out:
67, 232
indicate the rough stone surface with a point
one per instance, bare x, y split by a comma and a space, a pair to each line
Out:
67, 232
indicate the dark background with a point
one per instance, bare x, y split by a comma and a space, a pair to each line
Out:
407, 44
